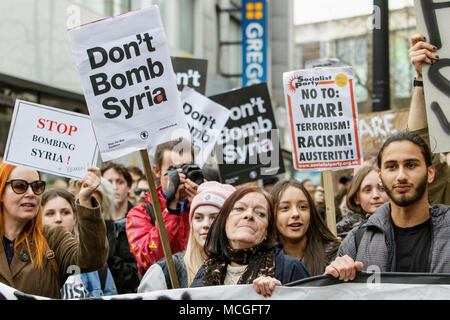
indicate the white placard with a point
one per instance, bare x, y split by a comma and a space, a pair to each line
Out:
51, 140
128, 82
205, 119
433, 22
323, 115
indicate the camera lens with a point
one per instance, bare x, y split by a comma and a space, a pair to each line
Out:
196, 176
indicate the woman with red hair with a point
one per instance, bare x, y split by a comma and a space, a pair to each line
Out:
34, 259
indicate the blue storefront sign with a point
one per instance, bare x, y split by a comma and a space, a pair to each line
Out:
254, 42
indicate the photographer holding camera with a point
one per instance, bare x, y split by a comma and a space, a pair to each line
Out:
174, 169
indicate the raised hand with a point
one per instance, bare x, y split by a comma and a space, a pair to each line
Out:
88, 185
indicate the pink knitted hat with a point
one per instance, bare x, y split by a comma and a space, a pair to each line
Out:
211, 193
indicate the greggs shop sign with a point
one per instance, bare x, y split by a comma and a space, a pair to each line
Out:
254, 42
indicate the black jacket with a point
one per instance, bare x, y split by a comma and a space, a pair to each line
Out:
121, 261
287, 269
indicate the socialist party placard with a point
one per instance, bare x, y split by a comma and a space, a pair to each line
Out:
51, 140
205, 119
323, 116
128, 82
191, 73
248, 148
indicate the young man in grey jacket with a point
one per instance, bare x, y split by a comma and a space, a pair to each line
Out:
407, 234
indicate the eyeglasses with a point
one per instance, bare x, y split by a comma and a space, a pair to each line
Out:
138, 191
20, 186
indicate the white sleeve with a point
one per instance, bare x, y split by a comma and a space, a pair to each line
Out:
153, 280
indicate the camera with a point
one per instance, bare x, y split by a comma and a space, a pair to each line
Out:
192, 172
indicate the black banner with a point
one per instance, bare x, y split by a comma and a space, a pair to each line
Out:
190, 72
248, 147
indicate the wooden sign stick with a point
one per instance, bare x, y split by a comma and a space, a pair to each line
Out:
159, 219
329, 201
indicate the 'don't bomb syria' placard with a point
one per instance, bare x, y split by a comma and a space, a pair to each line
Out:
323, 117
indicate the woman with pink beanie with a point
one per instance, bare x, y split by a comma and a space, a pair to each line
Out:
205, 206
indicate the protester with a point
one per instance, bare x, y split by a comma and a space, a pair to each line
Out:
302, 232
142, 230
59, 209
415, 217
309, 185
135, 173
241, 246
39, 256
365, 195
120, 260
405, 234
141, 191
119, 176
424, 52
204, 209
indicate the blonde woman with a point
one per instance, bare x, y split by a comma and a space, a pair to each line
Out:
204, 209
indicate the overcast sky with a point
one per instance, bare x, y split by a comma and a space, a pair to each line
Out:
308, 11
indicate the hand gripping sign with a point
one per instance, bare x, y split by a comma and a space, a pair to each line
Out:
323, 117
434, 23
131, 92
51, 140
128, 82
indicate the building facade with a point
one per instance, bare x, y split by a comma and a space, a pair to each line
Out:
37, 63
350, 40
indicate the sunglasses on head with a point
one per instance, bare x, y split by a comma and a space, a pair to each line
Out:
138, 191
20, 186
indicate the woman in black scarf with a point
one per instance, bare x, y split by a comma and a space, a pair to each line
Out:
241, 246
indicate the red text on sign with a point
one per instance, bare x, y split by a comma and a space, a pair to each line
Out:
61, 128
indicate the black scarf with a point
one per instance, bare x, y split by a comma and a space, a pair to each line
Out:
259, 260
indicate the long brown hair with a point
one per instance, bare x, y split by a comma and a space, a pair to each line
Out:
321, 245
217, 240
32, 231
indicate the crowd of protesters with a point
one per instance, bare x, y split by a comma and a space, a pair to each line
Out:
99, 235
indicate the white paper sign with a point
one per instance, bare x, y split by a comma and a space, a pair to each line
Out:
128, 82
433, 22
323, 115
51, 140
205, 119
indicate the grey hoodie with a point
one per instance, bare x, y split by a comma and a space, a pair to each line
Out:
377, 245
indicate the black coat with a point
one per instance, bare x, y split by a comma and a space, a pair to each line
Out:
287, 269
121, 261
